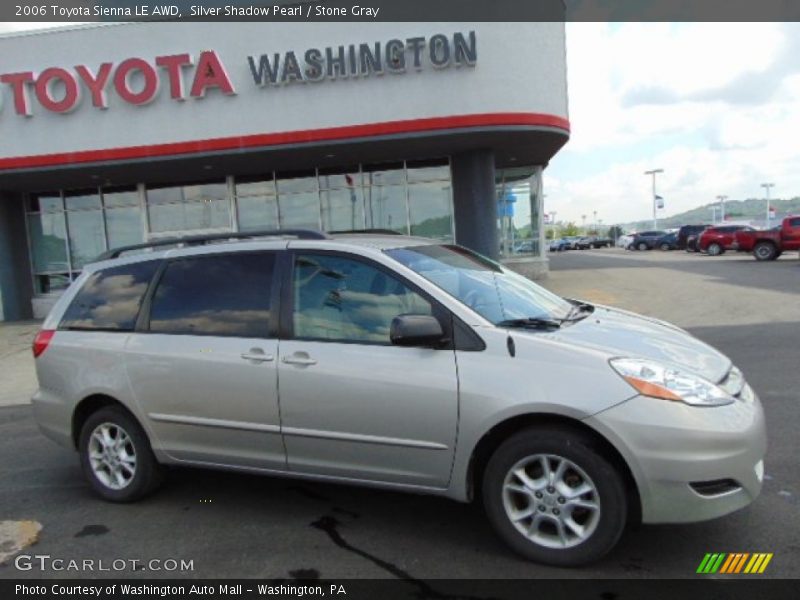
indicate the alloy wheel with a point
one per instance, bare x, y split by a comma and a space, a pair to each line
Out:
551, 501
112, 456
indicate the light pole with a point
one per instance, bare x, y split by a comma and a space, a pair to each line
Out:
583, 224
766, 186
722, 207
594, 222
555, 225
653, 172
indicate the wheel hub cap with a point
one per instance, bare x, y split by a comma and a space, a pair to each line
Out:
551, 501
112, 456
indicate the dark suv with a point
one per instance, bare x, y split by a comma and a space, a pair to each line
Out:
646, 240
683, 237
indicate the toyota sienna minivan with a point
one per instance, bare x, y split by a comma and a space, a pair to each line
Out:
401, 363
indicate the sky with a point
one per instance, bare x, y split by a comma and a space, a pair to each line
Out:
715, 105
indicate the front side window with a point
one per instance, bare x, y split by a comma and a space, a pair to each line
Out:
342, 299
494, 292
223, 295
110, 299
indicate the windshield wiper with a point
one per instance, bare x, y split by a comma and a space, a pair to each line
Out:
532, 323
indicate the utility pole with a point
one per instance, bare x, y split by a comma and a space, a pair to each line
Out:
594, 222
653, 172
766, 186
583, 223
722, 207
555, 225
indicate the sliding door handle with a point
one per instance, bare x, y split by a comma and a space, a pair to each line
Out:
257, 355
301, 358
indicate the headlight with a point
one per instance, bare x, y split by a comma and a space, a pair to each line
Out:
660, 381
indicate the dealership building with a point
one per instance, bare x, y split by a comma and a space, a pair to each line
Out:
117, 134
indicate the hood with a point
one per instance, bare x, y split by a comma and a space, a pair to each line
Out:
621, 333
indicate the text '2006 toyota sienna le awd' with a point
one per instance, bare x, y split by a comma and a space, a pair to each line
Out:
396, 362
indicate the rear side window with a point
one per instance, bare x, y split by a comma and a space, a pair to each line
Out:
223, 295
110, 299
794, 223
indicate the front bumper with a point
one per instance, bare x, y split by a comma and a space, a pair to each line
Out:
670, 445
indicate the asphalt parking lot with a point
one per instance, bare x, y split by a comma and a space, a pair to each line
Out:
233, 525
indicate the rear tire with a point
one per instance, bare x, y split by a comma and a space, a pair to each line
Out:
714, 249
549, 520
116, 456
764, 251
664, 247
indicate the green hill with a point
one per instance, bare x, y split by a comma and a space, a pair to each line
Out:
735, 210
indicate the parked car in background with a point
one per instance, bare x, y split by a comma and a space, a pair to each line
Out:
559, 245
583, 243
716, 240
667, 242
771, 243
646, 240
687, 231
523, 247
572, 240
600, 242
624, 241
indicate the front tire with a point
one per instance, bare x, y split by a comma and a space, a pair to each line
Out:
714, 249
554, 498
116, 457
642, 246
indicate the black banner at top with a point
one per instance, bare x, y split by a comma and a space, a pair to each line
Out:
79, 11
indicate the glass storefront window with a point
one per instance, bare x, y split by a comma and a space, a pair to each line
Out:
187, 207
386, 174
120, 197
290, 183
413, 197
86, 236
208, 214
431, 210
48, 237
518, 192
387, 208
260, 187
342, 209
44, 202
425, 172
82, 200
257, 212
52, 282
124, 227
299, 211
339, 178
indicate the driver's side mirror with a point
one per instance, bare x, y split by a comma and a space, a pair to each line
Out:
416, 330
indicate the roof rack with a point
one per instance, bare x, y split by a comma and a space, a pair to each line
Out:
367, 231
201, 240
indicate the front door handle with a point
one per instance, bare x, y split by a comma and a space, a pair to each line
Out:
257, 355
299, 358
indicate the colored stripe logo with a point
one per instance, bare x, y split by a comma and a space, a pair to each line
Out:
734, 563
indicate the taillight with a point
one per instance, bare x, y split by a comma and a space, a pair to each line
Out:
41, 341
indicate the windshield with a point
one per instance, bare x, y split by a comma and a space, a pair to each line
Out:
497, 294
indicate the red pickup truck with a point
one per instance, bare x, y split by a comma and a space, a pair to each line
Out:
769, 244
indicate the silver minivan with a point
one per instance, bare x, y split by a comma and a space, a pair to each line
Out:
401, 363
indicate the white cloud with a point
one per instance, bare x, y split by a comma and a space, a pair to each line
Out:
714, 105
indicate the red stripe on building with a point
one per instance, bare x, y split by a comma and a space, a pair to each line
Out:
288, 137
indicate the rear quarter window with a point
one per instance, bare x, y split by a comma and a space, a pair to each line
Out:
110, 299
